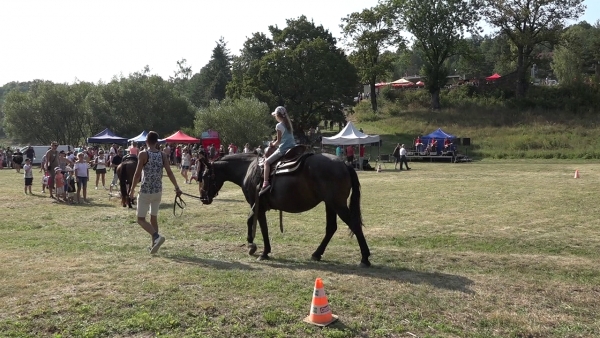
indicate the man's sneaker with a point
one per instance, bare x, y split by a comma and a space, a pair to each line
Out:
157, 243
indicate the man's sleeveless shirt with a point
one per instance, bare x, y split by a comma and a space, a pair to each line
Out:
152, 178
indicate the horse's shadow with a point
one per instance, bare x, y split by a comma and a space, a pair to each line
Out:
436, 279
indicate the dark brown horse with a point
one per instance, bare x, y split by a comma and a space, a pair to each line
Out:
322, 178
125, 172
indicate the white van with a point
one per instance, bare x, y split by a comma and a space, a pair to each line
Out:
40, 151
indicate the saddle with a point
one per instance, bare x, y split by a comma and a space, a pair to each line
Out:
290, 162
129, 157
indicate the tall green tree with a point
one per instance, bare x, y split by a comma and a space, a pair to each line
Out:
439, 27
529, 23
299, 67
46, 113
139, 101
577, 55
211, 82
238, 121
368, 34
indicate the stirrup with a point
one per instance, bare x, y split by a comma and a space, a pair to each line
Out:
264, 190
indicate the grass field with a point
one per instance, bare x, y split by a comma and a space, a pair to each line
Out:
484, 249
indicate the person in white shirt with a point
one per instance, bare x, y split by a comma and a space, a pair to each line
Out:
403, 158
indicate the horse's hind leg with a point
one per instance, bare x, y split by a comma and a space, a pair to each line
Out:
356, 228
330, 229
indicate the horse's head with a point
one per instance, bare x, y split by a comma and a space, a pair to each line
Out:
210, 184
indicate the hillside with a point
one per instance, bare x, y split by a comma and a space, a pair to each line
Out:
495, 133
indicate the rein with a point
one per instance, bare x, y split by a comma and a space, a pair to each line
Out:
179, 202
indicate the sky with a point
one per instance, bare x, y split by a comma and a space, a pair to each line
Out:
72, 40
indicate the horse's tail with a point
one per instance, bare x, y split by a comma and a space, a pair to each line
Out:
122, 172
355, 213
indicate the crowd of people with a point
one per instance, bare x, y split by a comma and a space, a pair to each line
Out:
73, 167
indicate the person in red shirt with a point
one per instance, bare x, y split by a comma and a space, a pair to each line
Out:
433, 146
350, 154
361, 156
419, 144
447, 143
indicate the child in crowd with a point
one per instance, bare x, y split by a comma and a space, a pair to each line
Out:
59, 179
45, 182
70, 186
194, 170
28, 175
82, 172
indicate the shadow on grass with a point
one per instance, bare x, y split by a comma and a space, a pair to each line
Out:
402, 275
212, 263
436, 279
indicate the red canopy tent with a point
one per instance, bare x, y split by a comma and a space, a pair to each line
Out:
420, 84
181, 137
381, 84
494, 77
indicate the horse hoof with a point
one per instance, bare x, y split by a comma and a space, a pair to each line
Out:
264, 257
366, 264
251, 249
315, 258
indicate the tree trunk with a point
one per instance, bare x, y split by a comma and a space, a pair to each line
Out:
521, 73
372, 95
435, 99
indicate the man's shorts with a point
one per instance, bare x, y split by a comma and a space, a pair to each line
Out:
28, 181
82, 181
148, 202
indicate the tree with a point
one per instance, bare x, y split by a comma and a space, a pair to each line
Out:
46, 113
181, 77
577, 54
529, 23
211, 82
238, 121
128, 105
301, 68
369, 33
439, 27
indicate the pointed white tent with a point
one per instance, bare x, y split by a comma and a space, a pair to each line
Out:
350, 136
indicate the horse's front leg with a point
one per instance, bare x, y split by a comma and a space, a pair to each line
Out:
250, 238
264, 230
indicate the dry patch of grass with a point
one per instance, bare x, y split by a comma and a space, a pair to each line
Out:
488, 249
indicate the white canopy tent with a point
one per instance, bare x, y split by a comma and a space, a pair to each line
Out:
350, 136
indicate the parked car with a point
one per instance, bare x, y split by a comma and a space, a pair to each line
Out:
40, 151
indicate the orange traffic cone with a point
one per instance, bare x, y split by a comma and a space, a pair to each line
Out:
576, 174
320, 311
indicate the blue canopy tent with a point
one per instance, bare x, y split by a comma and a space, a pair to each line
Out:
438, 135
140, 138
106, 136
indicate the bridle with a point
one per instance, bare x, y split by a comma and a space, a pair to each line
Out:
208, 178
